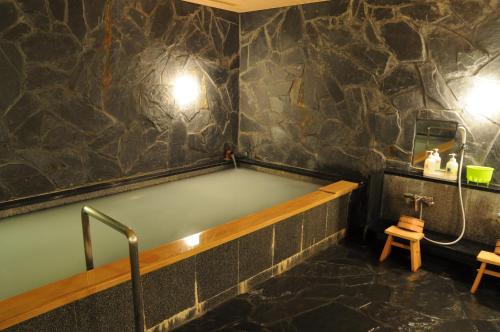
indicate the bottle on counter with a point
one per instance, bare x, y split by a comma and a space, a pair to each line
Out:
452, 168
429, 164
437, 160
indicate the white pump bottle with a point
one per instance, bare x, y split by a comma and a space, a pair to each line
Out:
452, 168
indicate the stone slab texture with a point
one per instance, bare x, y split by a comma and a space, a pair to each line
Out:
339, 85
345, 288
86, 90
481, 208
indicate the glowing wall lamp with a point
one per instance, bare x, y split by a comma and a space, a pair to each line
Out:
483, 97
186, 90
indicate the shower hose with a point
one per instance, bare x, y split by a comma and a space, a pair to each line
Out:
462, 211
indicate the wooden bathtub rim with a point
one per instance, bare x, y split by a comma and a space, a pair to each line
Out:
41, 300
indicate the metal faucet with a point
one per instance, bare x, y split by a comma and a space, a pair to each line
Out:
427, 200
229, 155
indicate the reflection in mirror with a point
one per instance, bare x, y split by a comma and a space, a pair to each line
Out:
434, 134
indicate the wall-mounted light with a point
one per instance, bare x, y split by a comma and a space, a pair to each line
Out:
483, 97
186, 89
192, 240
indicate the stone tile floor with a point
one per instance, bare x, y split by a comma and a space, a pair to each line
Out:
345, 289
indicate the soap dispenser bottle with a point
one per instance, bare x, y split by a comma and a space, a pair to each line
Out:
429, 163
452, 168
437, 160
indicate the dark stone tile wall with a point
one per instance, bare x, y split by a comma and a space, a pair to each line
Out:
166, 293
217, 270
60, 319
86, 90
336, 215
287, 238
314, 229
338, 85
255, 253
481, 208
109, 310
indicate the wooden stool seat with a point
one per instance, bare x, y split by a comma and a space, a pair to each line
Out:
410, 229
486, 257
404, 234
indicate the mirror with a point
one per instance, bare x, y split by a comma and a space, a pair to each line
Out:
434, 134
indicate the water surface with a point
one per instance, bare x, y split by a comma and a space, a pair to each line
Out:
46, 246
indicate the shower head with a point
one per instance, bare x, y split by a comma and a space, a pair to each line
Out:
463, 134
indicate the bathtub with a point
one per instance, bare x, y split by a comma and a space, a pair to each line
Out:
201, 240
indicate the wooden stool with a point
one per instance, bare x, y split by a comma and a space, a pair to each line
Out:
410, 229
486, 257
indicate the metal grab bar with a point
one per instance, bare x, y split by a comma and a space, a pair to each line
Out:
133, 248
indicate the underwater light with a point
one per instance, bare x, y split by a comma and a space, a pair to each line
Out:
483, 97
186, 90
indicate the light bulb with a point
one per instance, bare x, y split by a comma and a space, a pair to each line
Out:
483, 97
186, 90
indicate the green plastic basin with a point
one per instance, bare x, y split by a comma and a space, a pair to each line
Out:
479, 174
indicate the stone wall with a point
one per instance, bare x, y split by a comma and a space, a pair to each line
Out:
86, 90
338, 85
480, 207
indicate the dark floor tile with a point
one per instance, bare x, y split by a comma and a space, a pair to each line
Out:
255, 253
487, 326
484, 305
268, 313
217, 270
344, 288
282, 287
314, 226
168, 291
227, 314
109, 310
244, 326
220, 298
60, 319
355, 302
324, 291
461, 325
373, 292
433, 295
329, 270
334, 317
287, 238
399, 317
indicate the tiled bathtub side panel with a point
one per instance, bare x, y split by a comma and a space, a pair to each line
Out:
287, 238
168, 291
107, 311
255, 253
314, 229
60, 319
336, 215
217, 270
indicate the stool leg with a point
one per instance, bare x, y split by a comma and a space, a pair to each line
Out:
415, 255
479, 275
419, 254
387, 249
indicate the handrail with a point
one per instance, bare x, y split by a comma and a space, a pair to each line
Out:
133, 247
